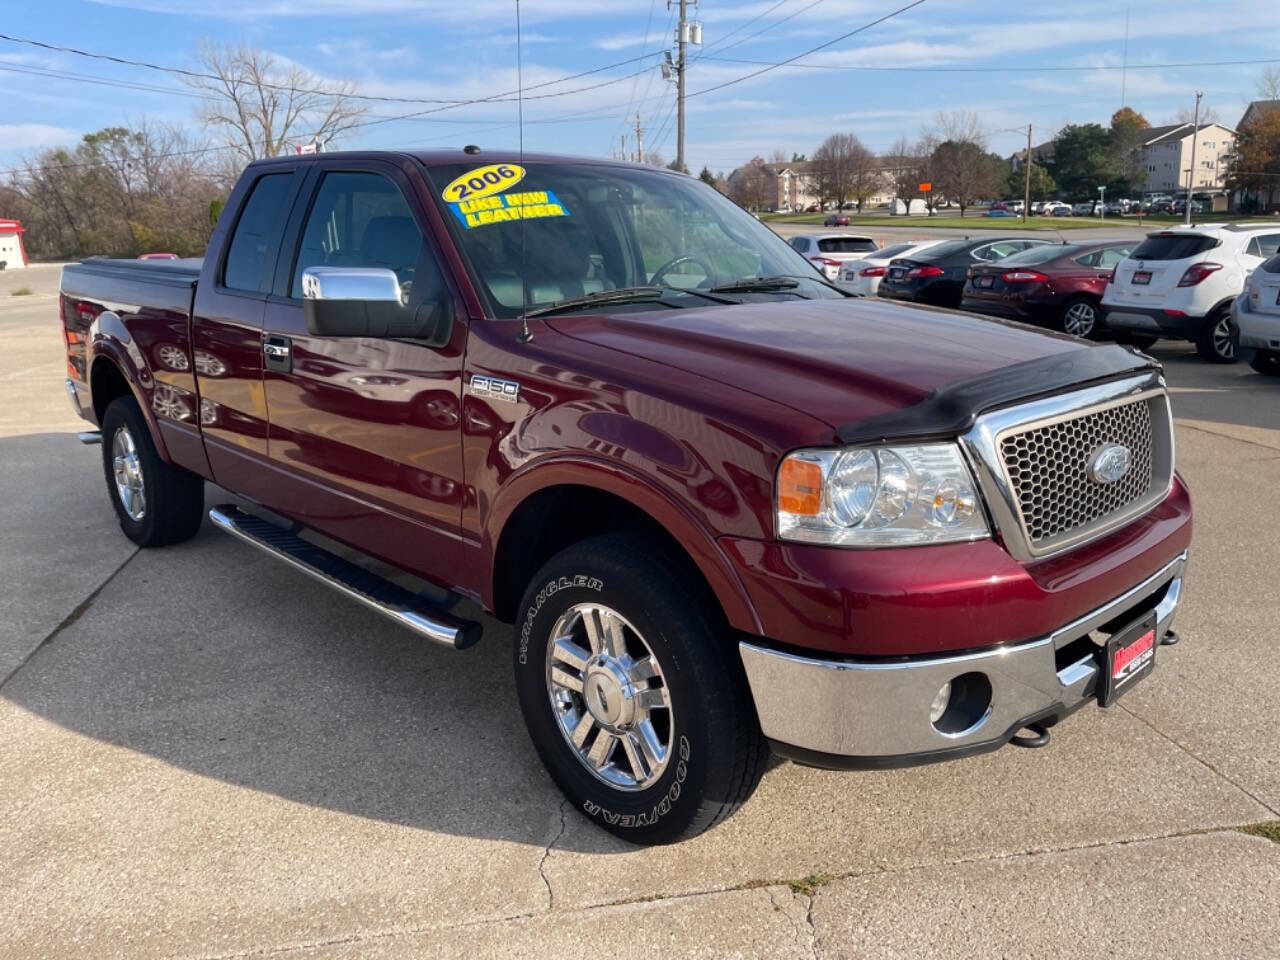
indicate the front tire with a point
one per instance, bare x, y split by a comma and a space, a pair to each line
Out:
156, 502
1266, 362
633, 695
1219, 341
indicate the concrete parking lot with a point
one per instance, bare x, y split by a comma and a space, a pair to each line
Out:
205, 754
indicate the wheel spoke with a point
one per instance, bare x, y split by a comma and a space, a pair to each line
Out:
649, 743
566, 651
591, 623
614, 642
638, 769
579, 735
563, 678
655, 698
600, 750
643, 669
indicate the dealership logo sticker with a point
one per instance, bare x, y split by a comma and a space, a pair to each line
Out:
1110, 463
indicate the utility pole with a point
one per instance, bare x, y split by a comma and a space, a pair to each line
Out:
682, 39
1195, 136
622, 152
639, 140
1026, 190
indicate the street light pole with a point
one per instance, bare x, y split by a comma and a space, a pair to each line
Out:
1191, 174
1026, 189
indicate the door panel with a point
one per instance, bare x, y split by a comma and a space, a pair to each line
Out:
366, 431
227, 334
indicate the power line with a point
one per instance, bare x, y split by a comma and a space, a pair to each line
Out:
741, 26
770, 26
822, 46
952, 68
318, 91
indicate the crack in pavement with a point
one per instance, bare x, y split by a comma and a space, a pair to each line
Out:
1205, 763
76, 613
546, 853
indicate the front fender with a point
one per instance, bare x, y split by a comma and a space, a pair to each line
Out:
613, 478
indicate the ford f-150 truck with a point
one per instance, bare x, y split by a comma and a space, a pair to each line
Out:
725, 507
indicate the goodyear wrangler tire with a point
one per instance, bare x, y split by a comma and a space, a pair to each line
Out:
634, 698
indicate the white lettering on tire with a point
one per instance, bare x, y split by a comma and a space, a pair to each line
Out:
550, 589
660, 809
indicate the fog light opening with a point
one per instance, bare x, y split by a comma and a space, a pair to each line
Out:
939, 705
962, 705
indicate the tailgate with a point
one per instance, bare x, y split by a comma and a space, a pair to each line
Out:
1264, 293
1144, 283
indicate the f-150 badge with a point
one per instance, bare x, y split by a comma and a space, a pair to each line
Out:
493, 388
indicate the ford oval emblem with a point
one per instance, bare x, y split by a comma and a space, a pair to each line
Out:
1110, 463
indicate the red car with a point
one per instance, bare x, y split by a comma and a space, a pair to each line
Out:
1059, 285
836, 220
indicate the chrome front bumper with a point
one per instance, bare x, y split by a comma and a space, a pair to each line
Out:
874, 713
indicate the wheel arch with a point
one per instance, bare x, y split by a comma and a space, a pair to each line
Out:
560, 504
112, 376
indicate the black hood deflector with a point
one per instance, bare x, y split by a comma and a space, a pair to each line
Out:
951, 410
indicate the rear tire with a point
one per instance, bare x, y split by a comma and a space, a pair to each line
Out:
1219, 340
1266, 362
1081, 318
156, 502
651, 753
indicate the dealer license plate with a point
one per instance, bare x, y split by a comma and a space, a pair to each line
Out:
1141, 277
985, 282
1130, 655
897, 273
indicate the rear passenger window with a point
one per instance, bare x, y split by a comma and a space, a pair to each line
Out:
360, 220
251, 249
1268, 244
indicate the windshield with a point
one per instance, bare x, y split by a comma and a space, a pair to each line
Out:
591, 228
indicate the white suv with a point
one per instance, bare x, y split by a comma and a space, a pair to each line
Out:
1180, 283
827, 251
1256, 313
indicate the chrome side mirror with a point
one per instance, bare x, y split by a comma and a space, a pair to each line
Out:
350, 283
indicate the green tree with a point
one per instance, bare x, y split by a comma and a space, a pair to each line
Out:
1042, 184
1082, 160
962, 171
1127, 157
707, 177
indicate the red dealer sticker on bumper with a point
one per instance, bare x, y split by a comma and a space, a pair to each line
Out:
1130, 656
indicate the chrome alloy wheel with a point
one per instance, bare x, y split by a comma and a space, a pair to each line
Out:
128, 474
609, 697
1080, 319
1224, 338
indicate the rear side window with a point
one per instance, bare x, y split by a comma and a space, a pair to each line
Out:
359, 219
800, 243
847, 245
1176, 246
1264, 245
250, 249
1270, 266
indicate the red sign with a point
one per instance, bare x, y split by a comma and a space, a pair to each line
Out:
926, 187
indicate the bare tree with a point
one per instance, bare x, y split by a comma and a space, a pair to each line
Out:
1208, 114
779, 156
962, 171
958, 126
258, 104
841, 167
753, 186
1269, 84
908, 165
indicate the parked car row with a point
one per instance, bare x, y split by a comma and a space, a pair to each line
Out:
1215, 286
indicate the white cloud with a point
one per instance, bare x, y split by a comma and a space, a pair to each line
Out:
31, 136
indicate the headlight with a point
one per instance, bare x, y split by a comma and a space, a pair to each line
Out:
879, 496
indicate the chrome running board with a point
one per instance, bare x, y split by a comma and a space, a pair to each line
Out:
377, 593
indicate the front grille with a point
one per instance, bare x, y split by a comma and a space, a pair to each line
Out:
1048, 468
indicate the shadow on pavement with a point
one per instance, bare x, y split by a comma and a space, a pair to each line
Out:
1219, 393
222, 662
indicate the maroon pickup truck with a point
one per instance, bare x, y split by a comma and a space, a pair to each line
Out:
726, 508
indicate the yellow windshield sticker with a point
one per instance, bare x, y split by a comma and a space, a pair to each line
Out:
483, 182
530, 205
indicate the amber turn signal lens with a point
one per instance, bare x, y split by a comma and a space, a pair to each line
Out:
800, 487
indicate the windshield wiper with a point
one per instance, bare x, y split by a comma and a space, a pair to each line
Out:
621, 295
756, 284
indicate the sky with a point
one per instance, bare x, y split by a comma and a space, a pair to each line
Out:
1013, 63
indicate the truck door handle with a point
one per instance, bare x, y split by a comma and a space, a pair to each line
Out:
277, 353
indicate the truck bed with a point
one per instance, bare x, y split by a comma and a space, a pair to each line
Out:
153, 283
